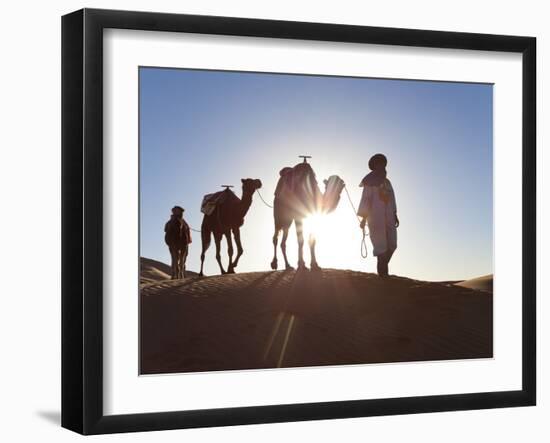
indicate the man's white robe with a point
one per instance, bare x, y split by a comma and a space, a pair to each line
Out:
379, 207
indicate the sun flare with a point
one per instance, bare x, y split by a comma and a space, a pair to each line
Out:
337, 237
317, 224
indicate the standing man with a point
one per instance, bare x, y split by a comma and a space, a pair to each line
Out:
378, 210
178, 237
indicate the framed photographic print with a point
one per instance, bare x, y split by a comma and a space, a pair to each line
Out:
268, 221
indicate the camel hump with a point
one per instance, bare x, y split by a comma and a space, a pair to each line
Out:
286, 170
285, 180
211, 201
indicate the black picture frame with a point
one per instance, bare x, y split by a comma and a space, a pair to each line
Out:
82, 218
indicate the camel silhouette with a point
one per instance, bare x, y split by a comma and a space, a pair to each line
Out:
177, 236
297, 196
227, 218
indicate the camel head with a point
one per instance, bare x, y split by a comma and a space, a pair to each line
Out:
250, 185
334, 186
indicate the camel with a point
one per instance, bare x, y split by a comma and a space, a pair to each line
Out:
226, 218
298, 195
177, 236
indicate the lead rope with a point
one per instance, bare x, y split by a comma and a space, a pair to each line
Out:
200, 230
265, 203
364, 251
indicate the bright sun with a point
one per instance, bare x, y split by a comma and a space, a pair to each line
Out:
317, 224
324, 228
338, 239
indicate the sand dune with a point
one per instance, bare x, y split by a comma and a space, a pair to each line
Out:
152, 271
484, 283
291, 319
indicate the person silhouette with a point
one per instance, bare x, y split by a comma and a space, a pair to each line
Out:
177, 236
378, 210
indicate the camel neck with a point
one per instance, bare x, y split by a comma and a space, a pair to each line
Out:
246, 201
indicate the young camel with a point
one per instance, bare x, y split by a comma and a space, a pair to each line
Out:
226, 219
177, 236
296, 197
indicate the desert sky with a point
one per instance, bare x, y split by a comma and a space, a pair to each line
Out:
201, 129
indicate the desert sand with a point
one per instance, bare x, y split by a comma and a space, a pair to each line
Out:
295, 319
153, 271
484, 283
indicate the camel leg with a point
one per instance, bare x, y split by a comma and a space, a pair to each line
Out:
283, 248
237, 235
312, 241
300, 235
275, 240
218, 241
230, 267
205, 239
